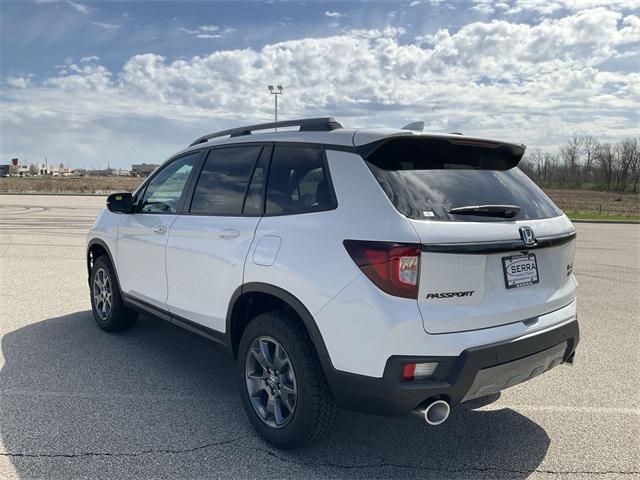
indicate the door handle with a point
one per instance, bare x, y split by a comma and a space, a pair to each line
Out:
228, 233
161, 230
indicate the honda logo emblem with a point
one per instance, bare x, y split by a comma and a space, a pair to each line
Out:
526, 233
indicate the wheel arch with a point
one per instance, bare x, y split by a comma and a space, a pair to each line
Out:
96, 248
240, 309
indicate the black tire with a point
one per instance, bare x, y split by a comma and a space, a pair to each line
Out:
314, 409
117, 316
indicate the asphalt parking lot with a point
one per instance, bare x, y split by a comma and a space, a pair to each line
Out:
160, 402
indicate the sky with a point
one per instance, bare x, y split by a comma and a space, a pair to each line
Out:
93, 84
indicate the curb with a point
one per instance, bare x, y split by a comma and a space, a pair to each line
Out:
58, 194
619, 222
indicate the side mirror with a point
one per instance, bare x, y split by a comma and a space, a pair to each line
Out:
120, 202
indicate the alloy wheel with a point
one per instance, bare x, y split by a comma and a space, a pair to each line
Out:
271, 382
102, 294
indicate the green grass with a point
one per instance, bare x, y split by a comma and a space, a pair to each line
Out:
586, 215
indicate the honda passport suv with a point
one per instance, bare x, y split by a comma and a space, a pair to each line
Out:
387, 271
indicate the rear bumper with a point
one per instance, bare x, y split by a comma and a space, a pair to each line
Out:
476, 372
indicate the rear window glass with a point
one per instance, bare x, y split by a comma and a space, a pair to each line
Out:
427, 183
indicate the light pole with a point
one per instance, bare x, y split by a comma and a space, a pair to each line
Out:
276, 91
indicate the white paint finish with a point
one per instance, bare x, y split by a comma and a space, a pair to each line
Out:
266, 251
492, 303
431, 231
441, 273
140, 255
205, 258
312, 263
362, 328
105, 228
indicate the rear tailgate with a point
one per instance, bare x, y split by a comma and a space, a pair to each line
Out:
495, 249
498, 280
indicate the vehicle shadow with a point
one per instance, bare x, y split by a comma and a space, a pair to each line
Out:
161, 402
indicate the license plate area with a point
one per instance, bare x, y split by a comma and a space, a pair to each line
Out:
520, 270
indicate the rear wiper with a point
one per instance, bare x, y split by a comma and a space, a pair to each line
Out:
503, 211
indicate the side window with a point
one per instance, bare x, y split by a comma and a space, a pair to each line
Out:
165, 189
254, 203
223, 181
298, 181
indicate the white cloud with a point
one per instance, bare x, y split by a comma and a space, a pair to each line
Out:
19, 82
548, 7
78, 7
333, 14
208, 31
535, 84
107, 26
485, 7
90, 59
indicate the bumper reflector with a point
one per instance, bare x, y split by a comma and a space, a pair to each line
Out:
418, 370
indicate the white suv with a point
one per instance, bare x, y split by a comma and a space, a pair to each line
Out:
387, 271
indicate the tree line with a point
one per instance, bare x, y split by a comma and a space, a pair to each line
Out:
583, 162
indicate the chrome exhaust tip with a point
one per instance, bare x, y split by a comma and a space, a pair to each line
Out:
435, 413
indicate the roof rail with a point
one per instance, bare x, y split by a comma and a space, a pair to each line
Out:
323, 124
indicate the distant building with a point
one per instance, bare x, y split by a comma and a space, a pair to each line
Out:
143, 169
20, 168
16, 168
43, 169
61, 171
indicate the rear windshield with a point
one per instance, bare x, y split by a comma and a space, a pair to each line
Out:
425, 183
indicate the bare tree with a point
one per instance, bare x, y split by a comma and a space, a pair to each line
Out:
605, 159
585, 162
589, 147
634, 167
570, 154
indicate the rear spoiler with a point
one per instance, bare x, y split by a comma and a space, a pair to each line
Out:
503, 155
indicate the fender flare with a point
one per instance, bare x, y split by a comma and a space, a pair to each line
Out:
103, 244
294, 303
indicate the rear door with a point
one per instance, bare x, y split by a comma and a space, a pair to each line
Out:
142, 235
208, 244
480, 267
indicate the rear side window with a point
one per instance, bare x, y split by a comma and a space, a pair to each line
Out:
426, 181
298, 181
223, 181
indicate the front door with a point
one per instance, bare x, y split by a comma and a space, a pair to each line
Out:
142, 235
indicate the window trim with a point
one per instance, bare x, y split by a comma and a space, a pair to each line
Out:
269, 154
142, 189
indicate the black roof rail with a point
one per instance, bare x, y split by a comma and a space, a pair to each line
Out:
322, 124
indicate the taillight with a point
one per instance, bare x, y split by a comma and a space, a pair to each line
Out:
393, 267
